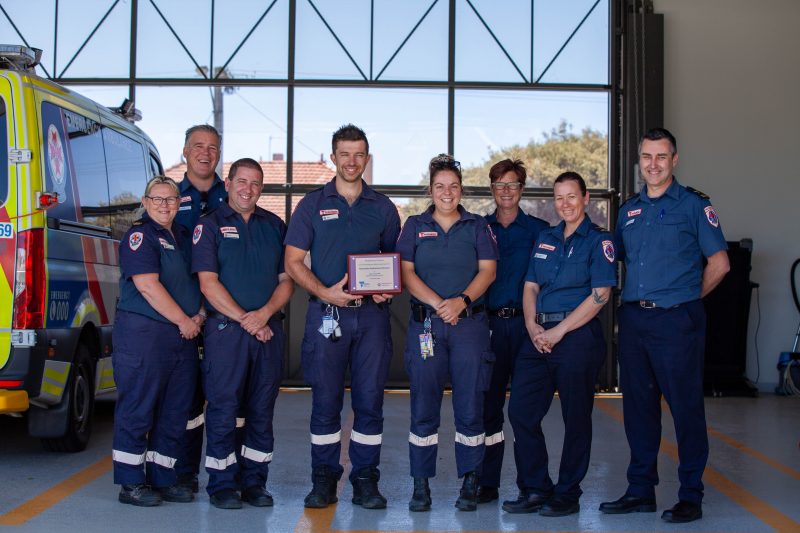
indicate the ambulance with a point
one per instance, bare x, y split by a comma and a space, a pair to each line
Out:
71, 177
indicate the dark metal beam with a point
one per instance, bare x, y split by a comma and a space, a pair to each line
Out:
333, 33
571, 35
404, 41
180, 42
496, 40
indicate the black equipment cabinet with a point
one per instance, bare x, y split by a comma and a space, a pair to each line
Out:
728, 312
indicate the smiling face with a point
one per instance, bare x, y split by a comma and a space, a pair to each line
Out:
656, 163
505, 196
445, 190
164, 213
569, 202
244, 189
351, 159
202, 155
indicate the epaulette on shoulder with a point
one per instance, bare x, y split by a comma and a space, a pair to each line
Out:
701, 194
599, 228
629, 198
137, 222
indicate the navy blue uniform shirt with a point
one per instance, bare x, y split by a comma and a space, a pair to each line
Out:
192, 205
567, 270
149, 248
247, 257
515, 243
447, 262
326, 225
663, 241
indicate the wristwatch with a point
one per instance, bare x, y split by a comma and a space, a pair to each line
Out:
467, 299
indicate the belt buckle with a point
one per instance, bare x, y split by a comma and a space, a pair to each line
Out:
354, 303
647, 304
540, 318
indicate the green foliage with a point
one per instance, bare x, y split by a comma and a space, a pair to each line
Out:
559, 151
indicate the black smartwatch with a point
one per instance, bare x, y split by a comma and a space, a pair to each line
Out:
467, 299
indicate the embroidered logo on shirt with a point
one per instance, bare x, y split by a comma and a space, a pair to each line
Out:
546, 246
608, 251
165, 244
198, 232
135, 240
329, 214
630, 221
711, 216
634, 212
425, 234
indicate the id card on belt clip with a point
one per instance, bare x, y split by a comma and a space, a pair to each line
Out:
426, 340
329, 324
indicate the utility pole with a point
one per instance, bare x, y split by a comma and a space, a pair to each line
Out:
217, 104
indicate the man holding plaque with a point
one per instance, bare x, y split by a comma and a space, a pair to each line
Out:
342, 329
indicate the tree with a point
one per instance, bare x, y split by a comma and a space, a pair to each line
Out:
559, 151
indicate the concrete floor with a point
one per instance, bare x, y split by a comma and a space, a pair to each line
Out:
752, 480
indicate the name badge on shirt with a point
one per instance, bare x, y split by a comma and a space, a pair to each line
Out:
634, 212
427, 234
229, 232
549, 247
165, 244
540, 256
329, 214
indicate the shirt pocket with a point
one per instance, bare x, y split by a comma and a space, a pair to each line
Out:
670, 226
576, 271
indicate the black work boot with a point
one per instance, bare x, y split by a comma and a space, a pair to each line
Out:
323, 492
468, 496
140, 495
421, 498
365, 488
190, 481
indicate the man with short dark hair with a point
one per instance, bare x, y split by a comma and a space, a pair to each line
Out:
344, 217
200, 192
238, 257
663, 233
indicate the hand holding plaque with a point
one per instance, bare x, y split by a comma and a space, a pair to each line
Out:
374, 274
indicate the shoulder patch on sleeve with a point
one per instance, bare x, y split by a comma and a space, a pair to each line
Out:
711, 216
198, 232
701, 194
135, 240
490, 232
608, 251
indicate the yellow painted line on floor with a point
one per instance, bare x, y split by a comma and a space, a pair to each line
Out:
730, 441
744, 498
54, 495
319, 520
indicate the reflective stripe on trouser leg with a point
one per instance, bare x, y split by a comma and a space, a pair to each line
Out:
370, 355
146, 355
225, 365
427, 378
324, 365
263, 382
470, 371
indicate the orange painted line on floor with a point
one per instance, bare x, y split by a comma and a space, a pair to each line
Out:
319, 520
744, 498
54, 495
730, 441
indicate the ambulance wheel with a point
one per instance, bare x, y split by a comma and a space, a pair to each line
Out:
79, 396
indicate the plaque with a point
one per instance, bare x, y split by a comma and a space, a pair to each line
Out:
374, 274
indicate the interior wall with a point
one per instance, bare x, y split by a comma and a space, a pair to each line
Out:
731, 98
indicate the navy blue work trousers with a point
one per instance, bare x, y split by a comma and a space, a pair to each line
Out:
508, 335
571, 369
155, 371
661, 351
462, 356
365, 347
241, 375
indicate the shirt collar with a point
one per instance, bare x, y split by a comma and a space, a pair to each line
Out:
673, 191
582, 229
227, 211
186, 184
366, 191
519, 219
427, 215
155, 225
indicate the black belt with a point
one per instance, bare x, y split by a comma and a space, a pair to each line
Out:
506, 312
420, 312
351, 304
650, 304
542, 318
224, 318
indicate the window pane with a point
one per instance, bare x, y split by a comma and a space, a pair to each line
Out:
35, 22
597, 210
264, 53
401, 143
127, 179
107, 52
550, 131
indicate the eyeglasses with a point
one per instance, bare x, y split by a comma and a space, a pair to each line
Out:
501, 186
158, 200
444, 161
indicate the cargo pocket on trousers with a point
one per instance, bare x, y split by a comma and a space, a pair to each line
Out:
487, 366
307, 349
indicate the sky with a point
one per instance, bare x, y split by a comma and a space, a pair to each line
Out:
406, 127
